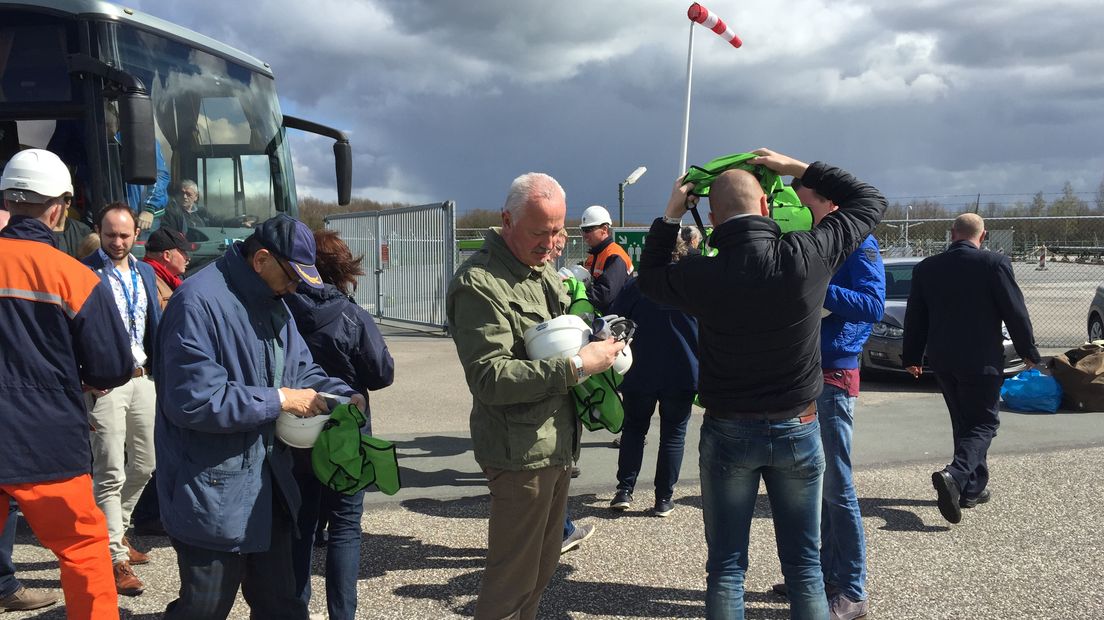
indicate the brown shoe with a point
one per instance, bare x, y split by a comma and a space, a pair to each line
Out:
126, 582
135, 557
25, 600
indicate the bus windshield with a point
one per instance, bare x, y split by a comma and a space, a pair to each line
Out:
219, 129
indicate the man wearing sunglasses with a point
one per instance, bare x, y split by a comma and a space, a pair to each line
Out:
225, 485
608, 263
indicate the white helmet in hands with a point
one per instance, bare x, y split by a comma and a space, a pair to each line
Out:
595, 216
560, 337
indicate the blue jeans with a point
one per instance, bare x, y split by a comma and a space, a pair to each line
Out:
787, 455
343, 548
8, 583
843, 544
209, 580
674, 414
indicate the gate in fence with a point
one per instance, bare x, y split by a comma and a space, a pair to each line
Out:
409, 258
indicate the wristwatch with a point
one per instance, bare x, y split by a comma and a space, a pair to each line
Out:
577, 362
672, 221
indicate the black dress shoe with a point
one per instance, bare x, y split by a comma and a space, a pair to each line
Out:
948, 492
970, 502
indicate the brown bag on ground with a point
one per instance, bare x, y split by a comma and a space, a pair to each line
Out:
1080, 372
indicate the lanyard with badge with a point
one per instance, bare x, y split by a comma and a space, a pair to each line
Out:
131, 298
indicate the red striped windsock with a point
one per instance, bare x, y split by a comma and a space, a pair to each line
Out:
700, 14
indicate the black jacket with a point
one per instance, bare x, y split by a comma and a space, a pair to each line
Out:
955, 308
758, 301
342, 337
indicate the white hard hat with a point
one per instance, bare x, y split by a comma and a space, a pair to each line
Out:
623, 361
38, 171
595, 216
561, 337
299, 432
580, 273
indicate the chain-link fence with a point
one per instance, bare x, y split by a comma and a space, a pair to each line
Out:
1058, 262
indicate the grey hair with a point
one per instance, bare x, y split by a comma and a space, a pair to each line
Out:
186, 183
529, 186
690, 234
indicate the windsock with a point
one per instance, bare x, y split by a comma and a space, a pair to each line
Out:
700, 14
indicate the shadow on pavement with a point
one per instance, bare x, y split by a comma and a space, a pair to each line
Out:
428, 446
565, 597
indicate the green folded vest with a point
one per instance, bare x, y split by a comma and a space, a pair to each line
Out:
597, 401
785, 207
580, 304
347, 461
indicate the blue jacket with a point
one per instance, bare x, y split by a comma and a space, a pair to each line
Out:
856, 298
153, 304
342, 338
665, 348
60, 328
218, 459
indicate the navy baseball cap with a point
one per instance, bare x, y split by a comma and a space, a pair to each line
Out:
167, 239
292, 241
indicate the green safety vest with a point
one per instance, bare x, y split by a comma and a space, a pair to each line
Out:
597, 401
785, 207
347, 461
580, 304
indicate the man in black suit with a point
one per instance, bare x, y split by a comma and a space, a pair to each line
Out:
955, 308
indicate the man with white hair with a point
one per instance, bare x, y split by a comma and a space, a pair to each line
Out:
62, 322
186, 213
524, 428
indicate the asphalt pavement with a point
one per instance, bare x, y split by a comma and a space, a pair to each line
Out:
1032, 552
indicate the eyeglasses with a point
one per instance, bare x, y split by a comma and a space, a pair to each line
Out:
292, 277
589, 229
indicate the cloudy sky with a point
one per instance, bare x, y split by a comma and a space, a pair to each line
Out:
452, 99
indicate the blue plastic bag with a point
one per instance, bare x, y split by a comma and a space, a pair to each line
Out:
1031, 390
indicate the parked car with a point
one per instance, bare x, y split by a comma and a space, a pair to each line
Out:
1096, 315
882, 352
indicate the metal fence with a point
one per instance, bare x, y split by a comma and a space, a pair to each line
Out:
1058, 289
409, 258
1058, 263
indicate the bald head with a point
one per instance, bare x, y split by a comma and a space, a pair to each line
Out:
968, 227
735, 192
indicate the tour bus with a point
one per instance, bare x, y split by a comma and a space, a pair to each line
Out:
136, 106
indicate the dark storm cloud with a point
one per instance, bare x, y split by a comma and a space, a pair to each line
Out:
454, 99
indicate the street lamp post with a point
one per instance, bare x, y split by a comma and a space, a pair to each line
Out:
908, 210
629, 180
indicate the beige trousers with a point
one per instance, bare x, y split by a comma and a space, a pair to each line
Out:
122, 454
523, 541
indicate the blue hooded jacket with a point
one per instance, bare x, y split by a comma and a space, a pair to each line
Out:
218, 458
856, 299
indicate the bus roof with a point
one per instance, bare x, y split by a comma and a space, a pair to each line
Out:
100, 10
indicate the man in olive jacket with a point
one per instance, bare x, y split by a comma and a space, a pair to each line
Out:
523, 425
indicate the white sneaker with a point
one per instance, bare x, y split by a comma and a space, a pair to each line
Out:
581, 533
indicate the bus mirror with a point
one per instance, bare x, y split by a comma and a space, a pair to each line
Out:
139, 157
343, 153
343, 160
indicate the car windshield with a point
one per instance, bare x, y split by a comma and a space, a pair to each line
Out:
898, 280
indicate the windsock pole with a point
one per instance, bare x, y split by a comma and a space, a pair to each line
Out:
686, 117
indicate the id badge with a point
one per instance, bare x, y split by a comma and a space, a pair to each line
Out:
139, 354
